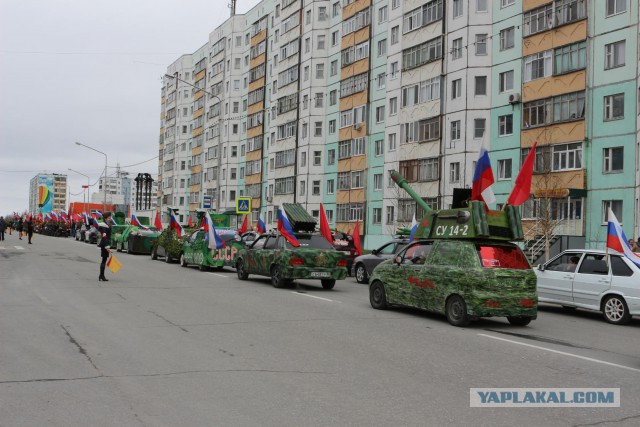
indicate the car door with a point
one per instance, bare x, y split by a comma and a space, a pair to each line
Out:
382, 253
252, 257
591, 280
396, 278
555, 282
264, 256
625, 278
190, 249
441, 275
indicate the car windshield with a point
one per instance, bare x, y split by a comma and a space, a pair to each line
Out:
495, 256
311, 241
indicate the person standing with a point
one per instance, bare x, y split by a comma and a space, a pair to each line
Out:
3, 225
29, 228
105, 242
19, 228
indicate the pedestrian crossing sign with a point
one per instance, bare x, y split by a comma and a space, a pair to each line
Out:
243, 205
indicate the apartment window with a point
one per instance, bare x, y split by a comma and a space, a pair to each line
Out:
381, 79
333, 97
394, 71
377, 182
422, 54
538, 20
504, 169
614, 107
315, 188
392, 142
505, 3
421, 130
568, 107
395, 4
395, 34
303, 159
481, 44
331, 157
393, 106
536, 113
382, 47
479, 126
616, 6
317, 129
615, 206
506, 81
332, 127
331, 185
303, 188
613, 160
390, 214
334, 68
455, 130
422, 92
456, 49
481, 85
569, 58
319, 100
233, 173
538, 65
305, 130
454, 172
457, 8
377, 215
383, 14
507, 38
614, 55
481, 6
319, 71
456, 88
567, 157
380, 114
335, 8
335, 38
379, 147
568, 11
317, 158
505, 125
320, 41
306, 73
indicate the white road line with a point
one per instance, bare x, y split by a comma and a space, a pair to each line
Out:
603, 362
2, 248
19, 248
312, 296
221, 275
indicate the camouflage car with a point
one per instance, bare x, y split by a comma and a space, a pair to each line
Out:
464, 279
167, 245
133, 239
364, 264
195, 250
270, 255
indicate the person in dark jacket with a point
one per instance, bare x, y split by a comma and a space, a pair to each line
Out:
19, 228
105, 242
3, 226
29, 228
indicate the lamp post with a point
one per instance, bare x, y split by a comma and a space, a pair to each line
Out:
104, 183
86, 176
219, 137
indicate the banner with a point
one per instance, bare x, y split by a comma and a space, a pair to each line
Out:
45, 194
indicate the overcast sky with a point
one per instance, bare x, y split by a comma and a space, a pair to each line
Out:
88, 71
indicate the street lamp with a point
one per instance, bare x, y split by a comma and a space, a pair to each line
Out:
86, 176
104, 183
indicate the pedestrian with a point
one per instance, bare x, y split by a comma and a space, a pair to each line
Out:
105, 242
29, 228
19, 228
3, 226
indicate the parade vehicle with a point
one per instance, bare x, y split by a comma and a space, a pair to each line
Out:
273, 256
462, 264
168, 246
133, 239
344, 243
593, 280
91, 235
195, 250
364, 264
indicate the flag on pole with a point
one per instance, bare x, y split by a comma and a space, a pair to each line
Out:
522, 187
356, 239
215, 242
617, 240
483, 179
189, 223
414, 227
173, 223
284, 227
137, 223
261, 227
54, 216
157, 223
245, 225
113, 264
325, 228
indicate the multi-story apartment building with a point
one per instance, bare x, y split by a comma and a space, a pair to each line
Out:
314, 101
51, 197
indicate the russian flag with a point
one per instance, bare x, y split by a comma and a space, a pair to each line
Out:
173, 223
134, 221
54, 216
284, 227
211, 234
617, 240
97, 214
483, 179
261, 227
414, 227
64, 215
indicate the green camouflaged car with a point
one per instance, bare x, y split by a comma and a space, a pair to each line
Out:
464, 279
270, 255
132, 239
195, 250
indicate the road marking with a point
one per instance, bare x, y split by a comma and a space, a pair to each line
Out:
221, 275
603, 362
20, 248
312, 296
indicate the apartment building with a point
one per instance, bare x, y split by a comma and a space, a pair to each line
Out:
47, 192
314, 101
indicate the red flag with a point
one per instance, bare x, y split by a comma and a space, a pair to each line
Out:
522, 187
157, 223
356, 239
325, 229
189, 223
245, 225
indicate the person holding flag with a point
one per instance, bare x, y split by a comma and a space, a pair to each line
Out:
105, 245
285, 229
483, 179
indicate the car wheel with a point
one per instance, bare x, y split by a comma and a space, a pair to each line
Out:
456, 311
129, 251
183, 262
328, 283
519, 320
276, 277
361, 274
377, 296
241, 271
154, 254
167, 258
615, 310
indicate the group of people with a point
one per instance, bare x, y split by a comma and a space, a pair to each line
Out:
20, 224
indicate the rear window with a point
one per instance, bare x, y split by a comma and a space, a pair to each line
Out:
502, 257
311, 241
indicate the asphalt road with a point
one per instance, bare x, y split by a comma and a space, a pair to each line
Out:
161, 345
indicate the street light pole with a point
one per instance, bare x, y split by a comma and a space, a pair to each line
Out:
87, 199
104, 183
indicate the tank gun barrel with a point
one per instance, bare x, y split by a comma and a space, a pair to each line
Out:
402, 183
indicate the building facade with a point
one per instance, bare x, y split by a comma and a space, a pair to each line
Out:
314, 101
47, 192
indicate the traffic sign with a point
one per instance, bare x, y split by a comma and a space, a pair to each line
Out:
206, 202
243, 205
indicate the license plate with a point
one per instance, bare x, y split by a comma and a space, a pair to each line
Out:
320, 274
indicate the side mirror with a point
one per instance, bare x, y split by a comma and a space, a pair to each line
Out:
541, 267
374, 252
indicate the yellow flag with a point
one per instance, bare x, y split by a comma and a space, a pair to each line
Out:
113, 264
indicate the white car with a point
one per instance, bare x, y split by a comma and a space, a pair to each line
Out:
580, 278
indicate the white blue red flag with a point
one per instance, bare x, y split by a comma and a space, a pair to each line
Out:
215, 242
414, 227
261, 227
54, 216
64, 215
483, 178
617, 240
284, 227
173, 223
134, 221
97, 214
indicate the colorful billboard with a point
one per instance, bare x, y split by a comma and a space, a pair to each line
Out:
45, 194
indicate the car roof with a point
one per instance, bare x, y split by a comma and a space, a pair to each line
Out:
590, 251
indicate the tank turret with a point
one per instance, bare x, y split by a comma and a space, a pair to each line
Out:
472, 222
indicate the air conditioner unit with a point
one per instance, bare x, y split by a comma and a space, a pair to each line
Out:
357, 126
269, 199
514, 98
